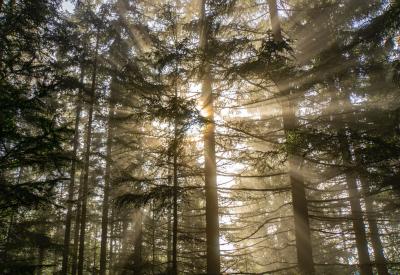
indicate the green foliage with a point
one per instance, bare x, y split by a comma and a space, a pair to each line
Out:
161, 195
31, 135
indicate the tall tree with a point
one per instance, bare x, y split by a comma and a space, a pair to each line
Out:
301, 219
356, 211
210, 168
85, 183
107, 178
71, 186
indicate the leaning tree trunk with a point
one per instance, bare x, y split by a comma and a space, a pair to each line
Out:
71, 186
87, 159
106, 203
210, 169
300, 207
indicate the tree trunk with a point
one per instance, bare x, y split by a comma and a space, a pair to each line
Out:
301, 221
104, 219
14, 215
111, 261
169, 227
380, 260
300, 207
124, 237
41, 252
77, 226
137, 253
87, 159
153, 238
210, 171
175, 208
71, 186
356, 211
94, 252
55, 262
354, 195
175, 189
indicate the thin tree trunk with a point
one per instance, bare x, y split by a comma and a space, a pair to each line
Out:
137, 253
124, 240
12, 217
40, 260
41, 248
55, 261
380, 260
9, 229
175, 208
344, 238
87, 159
300, 207
104, 219
55, 270
210, 169
77, 226
169, 227
356, 211
111, 261
354, 195
94, 252
71, 186
175, 185
153, 238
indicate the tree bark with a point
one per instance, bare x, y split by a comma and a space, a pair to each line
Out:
87, 160
356, 211
380, 260
41, 252
169, 226
124, 236
210, 171
104, 218
354, 194
71, 186
175, 206
94, 252
153, 238
175, 184
300, 207
137, 253
111, 261
77, 226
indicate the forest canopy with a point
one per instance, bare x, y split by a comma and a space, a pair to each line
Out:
199, 137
